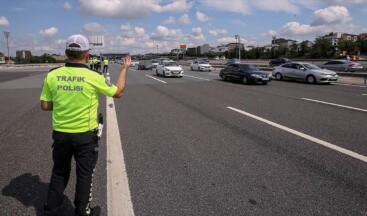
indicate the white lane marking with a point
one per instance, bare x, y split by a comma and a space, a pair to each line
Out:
213, 74
118, 192
196, 77
351, 85
364, 94
155, 78
338, 105
305, 136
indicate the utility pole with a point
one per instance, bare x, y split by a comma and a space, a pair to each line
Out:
157, 50
239, 46
7, 43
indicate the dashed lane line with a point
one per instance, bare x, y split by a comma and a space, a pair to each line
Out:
155, 78
118, 192
333, 104
196, 77
305, 136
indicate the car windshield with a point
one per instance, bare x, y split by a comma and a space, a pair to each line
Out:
310, 66
170, 64
249, 67
202, 62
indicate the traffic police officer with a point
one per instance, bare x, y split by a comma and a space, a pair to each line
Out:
105, 65
71, 93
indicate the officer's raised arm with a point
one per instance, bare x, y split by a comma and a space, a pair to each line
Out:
121, 82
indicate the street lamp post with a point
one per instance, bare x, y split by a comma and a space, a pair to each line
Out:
157, 49
7, 42
239, 46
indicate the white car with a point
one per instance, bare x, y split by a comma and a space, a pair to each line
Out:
134, 63
222, 58
200, 66
154, 64
169, 68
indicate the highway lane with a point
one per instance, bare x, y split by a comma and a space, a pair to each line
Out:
186, 153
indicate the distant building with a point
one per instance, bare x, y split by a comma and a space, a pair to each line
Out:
235, 46
59, 57
350, 37
283, 42
203, 49
362, 36
250, 47
191, 51
221, 48
23, 54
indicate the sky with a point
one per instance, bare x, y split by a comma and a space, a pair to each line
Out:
148, 26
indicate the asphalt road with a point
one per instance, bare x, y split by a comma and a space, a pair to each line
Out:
188, 152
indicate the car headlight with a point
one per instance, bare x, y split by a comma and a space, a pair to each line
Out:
166, 69
256, 75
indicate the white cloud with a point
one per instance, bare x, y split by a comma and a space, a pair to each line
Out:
164, 33
128, 9
236, 6
184, 19
174, 6
197, 35
93, 27
218, 32
170, 20
330, 19
49, 32
4, 22
129, 32
67, 5
201, 17
226, 40
331, 15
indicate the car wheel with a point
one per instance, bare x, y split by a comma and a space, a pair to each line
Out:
224, 78
191, 68
244, 80
156, 72
310, 79
278, 76
164, 74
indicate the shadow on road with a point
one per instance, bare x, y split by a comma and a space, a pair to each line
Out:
30, 191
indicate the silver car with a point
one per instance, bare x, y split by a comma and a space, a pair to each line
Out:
306, 72
342, 65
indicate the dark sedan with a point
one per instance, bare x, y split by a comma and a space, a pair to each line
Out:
144, 66
246, 73
279, 61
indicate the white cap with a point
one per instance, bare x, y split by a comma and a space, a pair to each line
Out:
79, 40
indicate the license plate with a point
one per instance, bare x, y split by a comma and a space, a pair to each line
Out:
265, 79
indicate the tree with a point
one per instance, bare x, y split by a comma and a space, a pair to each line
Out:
362, 46
322, 49
347, 45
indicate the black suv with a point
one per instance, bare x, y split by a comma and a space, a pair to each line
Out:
279, 61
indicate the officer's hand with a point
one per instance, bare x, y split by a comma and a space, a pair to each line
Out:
127, 62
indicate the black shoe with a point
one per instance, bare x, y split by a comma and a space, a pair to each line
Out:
96, 211
54, 212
